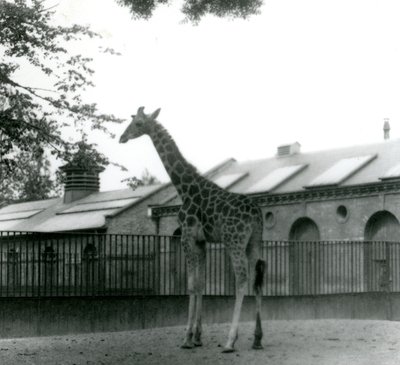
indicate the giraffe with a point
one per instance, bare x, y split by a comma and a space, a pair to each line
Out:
208, 213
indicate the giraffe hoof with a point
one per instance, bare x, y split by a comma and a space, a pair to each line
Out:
187, 345
257, 346
198, 343
228, 350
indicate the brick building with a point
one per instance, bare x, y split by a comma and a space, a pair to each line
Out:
343, 194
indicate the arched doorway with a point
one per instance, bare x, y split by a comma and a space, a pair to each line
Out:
304, 257
381, 228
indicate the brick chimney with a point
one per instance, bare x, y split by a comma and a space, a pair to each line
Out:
80, 182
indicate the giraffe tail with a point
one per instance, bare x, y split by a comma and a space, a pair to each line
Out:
259, 277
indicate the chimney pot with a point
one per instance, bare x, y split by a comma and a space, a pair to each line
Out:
80, 182
386, 129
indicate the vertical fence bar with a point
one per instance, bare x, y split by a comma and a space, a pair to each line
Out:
165, 265
221, 270
2, 235
107, 259
142, 265
20, 262
159, 263
26, 281
136, 269
127, 266
33, 265
113, 263
395, 267
8, 265
39, 253
69, 257
144, 261
121, 267
155, 265
147, 263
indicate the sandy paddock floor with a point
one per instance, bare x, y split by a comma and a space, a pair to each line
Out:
286, 342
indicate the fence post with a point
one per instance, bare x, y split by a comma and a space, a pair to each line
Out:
388, 282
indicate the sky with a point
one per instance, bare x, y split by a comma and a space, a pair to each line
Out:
321, 72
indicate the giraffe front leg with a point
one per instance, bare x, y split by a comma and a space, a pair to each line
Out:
198, 327
200, 284
188, 343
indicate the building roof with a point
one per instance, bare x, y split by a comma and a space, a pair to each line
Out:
297, 172
355, 165
88, 213
52, 215
280, 174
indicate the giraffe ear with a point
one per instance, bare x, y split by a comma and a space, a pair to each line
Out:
154, 115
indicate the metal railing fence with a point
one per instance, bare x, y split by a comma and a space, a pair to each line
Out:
46, 265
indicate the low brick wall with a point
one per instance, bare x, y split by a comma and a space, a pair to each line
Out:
24, 317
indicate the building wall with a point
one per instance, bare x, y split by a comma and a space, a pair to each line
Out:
325, 214
136, 220
331, 225
168, 225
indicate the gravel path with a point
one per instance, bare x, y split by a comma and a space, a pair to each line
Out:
322, 342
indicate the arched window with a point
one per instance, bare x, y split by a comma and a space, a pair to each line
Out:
304, 229
177, 232
382, 226
90, 252
49, 255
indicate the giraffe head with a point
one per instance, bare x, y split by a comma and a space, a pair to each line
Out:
139, 125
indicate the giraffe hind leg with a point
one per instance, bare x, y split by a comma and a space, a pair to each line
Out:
258, 283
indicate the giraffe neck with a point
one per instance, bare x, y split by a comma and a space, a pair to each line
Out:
181, 172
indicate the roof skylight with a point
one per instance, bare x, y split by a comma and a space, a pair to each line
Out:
18, 215
226, 181
275, 178
87, 207
392, 173
341, 171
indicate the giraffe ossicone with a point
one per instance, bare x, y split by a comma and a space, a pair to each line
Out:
208, 214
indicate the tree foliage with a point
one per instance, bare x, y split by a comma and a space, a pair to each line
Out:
31, 179
195, 10
32, 117
146, 179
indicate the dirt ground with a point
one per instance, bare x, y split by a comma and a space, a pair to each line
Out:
322, 342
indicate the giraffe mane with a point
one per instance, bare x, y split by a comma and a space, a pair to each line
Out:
178, 152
